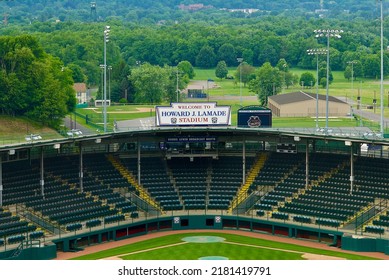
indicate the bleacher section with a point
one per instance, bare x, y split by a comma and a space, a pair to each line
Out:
130, 177
327, 199
63, 202
372, 178
191, 181
155, 179
225, 181
12, 227
276, 180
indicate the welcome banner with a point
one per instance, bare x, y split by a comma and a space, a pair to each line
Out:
193, 114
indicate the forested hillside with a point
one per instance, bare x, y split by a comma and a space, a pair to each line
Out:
155, 37
148, 11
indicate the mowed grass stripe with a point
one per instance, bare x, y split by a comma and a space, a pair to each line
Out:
151, 249
194, 251
210, 249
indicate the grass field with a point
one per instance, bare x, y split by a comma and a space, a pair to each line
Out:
14, 130
368, 89
130, 112
234, 247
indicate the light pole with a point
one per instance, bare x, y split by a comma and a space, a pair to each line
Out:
240, 60
177, 85
106, 40
109, 83
102, 87
382, 72
317, 52
328, 33
352, 76
284, 66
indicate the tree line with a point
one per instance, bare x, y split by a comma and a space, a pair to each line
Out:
77, 48
151, 11
80, 46
33, 83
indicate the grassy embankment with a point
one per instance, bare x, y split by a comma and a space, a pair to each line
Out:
14, 130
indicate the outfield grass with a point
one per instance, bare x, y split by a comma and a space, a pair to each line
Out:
193, 251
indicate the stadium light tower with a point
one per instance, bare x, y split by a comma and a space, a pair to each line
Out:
240, 60
317, 52
382, 72
106, 40
328, 33
109, 83
352, 75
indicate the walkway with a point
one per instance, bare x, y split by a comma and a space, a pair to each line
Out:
71, 123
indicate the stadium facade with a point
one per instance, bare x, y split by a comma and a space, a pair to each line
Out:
65, 194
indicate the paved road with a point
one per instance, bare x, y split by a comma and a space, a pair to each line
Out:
369, 115
144, 123
71, 123
376, 117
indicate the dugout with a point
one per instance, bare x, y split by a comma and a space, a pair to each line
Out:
254, 117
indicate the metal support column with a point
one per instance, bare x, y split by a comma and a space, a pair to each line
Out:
244, 162
307, 165
42, 181
351, 169
139, 146
81, 170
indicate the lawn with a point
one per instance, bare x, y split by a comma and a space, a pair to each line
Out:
228, 92
244, 248
15, 129
367, 89
225, 92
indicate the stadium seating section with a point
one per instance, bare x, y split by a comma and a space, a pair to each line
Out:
280, 188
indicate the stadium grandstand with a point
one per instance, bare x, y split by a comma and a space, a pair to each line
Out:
65, 194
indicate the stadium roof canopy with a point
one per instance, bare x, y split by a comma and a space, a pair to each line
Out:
355, 135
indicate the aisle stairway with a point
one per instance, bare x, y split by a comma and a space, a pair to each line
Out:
242, 192
131, 179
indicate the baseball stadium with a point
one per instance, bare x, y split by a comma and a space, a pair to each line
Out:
188, 185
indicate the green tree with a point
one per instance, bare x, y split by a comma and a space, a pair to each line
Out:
175, 78
187, 68
282, 65
268, 82
358, 69
307, 79
323, 72
77, 74
248, 56
121, 86
290, 79
206, 57
244, 73
323, 82
56, 96
33, 83
348, 73
371, 65
149, 82
227, 53
221, 70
